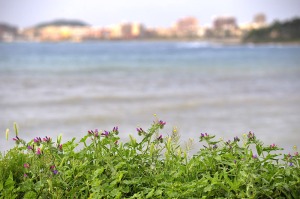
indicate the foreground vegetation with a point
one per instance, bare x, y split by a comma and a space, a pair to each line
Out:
152, 166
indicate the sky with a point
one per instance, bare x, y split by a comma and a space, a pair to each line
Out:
152, 13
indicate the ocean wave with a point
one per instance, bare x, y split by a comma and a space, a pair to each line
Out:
195, 45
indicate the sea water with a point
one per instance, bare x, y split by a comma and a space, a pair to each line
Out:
197, 87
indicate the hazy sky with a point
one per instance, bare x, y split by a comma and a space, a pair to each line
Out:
24, 13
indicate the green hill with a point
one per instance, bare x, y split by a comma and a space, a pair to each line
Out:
288, 31
62, 22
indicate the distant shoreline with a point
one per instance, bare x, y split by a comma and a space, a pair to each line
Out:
226, 42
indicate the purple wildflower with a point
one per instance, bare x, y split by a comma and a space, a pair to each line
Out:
47, 139
272, 145
228, 142
161, 124
251, 136
25, 175
60, 147
291, 164
96, 134
236, 139
254, 156
37, 140
160, 138
116, 130
55, 172
16, 138
29, 147
140, 131
296, 153
289, 156
106, 133
38, 152
204, 135
26, 165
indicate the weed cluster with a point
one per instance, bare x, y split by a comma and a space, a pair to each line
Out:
154, 166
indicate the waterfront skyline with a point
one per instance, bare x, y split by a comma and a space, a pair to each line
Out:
152, 13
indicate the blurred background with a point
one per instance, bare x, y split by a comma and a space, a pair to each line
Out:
224, 68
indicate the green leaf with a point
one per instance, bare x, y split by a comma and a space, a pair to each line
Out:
30, 195
218, 158
207, 189
150, 194
1, 186
258, 149
9, 183
158, 192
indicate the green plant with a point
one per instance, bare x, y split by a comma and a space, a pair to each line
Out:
153, 166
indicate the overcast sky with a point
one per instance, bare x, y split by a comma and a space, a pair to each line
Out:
152, 13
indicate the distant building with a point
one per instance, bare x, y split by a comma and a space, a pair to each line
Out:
8, 33
187, 27
132, 30
224, 27
225, 23
259, 20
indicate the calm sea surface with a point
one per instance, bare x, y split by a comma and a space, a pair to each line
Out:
69, 88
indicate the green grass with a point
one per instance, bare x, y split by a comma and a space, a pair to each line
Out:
153, 166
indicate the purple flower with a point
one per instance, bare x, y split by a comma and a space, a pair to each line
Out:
26, 165
160, 138
106, 133
16, 138
116, 130
96, 134
289, 156
204, 135
161, 124
25, 175
236, 139
47, 139
38, 152
254, 156
251, 136
296, 153
60, 147
29, 147
140, 131
55, 172
37, 140
291, 164
272, 145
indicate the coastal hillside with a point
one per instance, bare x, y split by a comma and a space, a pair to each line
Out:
288, 31
62, 22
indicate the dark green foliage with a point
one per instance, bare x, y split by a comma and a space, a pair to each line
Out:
150, 167
278, 32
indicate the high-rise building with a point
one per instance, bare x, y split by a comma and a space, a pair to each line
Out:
187, 27
225, 23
